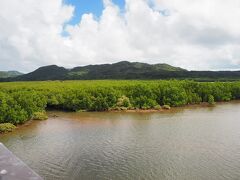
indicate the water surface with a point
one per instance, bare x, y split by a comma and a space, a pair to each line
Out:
185, 143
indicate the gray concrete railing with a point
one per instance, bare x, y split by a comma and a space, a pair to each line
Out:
12, 168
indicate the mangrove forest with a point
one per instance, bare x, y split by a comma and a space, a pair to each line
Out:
22, 101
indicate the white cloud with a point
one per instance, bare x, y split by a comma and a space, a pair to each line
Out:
189, 33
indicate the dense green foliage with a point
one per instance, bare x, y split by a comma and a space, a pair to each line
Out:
20, 101
6, 127
124, 70
17, 106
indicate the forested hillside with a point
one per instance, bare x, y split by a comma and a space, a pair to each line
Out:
124, 70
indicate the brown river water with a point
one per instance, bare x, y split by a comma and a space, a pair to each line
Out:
183, 143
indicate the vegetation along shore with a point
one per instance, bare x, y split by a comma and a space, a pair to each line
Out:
22, 101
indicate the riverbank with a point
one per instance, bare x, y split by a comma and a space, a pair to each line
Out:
173, 109
50, 113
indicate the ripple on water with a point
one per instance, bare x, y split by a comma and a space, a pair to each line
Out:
191, 143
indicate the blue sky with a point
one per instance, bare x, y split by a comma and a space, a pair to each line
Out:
89, 6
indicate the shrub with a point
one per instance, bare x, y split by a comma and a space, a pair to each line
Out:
6, 127
174, 96
142, 96
123, 102
157, 107
40, 116
11, 111
211, 100
30, 101
166, 107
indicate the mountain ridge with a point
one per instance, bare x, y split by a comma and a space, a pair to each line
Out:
121, 70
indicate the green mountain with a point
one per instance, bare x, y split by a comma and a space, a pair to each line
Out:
120, 70
123, 70
51, 72
7, 74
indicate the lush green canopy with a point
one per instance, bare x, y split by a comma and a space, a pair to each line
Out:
19, 101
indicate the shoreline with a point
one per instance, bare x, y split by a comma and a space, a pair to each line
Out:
201, 105
172, 109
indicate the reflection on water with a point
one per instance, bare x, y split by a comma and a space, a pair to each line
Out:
185, 143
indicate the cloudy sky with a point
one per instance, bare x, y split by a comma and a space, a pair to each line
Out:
193, 34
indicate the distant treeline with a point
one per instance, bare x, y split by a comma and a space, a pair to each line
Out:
19, 101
